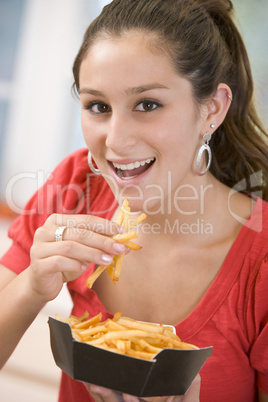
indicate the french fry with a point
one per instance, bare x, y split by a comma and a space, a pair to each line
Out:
176, 343
118, 267
120, 218
88, 333
126, 211
117, 316
123, 219
124, 335
82, 318
148, 347
139, 354
110, 271
140, 325
126, 221
132, 246
114, 326
122, 238
86, 324
138, 220
92, 278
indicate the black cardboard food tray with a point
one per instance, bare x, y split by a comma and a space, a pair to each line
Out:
171, 373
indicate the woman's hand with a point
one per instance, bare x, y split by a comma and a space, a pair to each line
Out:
86, 239
101, 394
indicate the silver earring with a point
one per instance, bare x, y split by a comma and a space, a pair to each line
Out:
204, 147
92, 168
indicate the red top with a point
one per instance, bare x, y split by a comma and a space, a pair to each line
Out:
232, 316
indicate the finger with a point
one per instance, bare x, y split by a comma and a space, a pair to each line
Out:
95, 396
192, 395
54, 264
94, 240
77, 242
97, 248
75, 252
83, 236
132, 398
104, 394
86, 222
47, 276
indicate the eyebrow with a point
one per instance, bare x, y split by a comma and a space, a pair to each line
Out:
129, 91
144, 88
90, 92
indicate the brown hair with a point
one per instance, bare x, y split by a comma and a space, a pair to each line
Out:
207, 49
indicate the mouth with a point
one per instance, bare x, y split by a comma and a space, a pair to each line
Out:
133, 169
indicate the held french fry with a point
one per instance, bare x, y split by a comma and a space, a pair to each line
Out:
95, 275
118, 267
123, 219
132, 246
137, 220
125, 236
125, 336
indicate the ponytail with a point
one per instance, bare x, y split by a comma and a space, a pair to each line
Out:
206, 48
239, 147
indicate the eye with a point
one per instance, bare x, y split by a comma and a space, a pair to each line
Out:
98, 107
147, 105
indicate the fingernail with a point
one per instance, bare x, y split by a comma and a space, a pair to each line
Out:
83, 267
106, 259
119, 247
95, 388
129, 398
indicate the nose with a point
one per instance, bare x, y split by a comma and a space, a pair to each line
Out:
121, 135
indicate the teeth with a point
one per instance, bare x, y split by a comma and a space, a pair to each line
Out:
132, 166
127, 178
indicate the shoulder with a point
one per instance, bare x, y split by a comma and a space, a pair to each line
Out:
63, 189
256, 258
258, 224
73, 179
73, 167
250, 250
73, 188
254, 232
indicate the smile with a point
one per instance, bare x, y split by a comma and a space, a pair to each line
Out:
130, 170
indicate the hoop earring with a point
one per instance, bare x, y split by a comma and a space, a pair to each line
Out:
204, 147
90, 164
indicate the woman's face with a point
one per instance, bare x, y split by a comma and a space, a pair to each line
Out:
139, 120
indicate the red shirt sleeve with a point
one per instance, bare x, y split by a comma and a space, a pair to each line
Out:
65, 191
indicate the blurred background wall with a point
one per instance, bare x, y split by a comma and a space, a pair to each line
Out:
40, 124
39, 118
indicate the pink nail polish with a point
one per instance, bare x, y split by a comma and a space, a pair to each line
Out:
83, 267
106, 259
119, 248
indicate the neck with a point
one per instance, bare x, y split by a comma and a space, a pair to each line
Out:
190, 215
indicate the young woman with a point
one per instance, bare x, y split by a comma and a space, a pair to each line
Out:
168, 118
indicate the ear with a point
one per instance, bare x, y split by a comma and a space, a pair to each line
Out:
217, 108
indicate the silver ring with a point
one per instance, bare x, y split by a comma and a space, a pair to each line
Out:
59, 233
